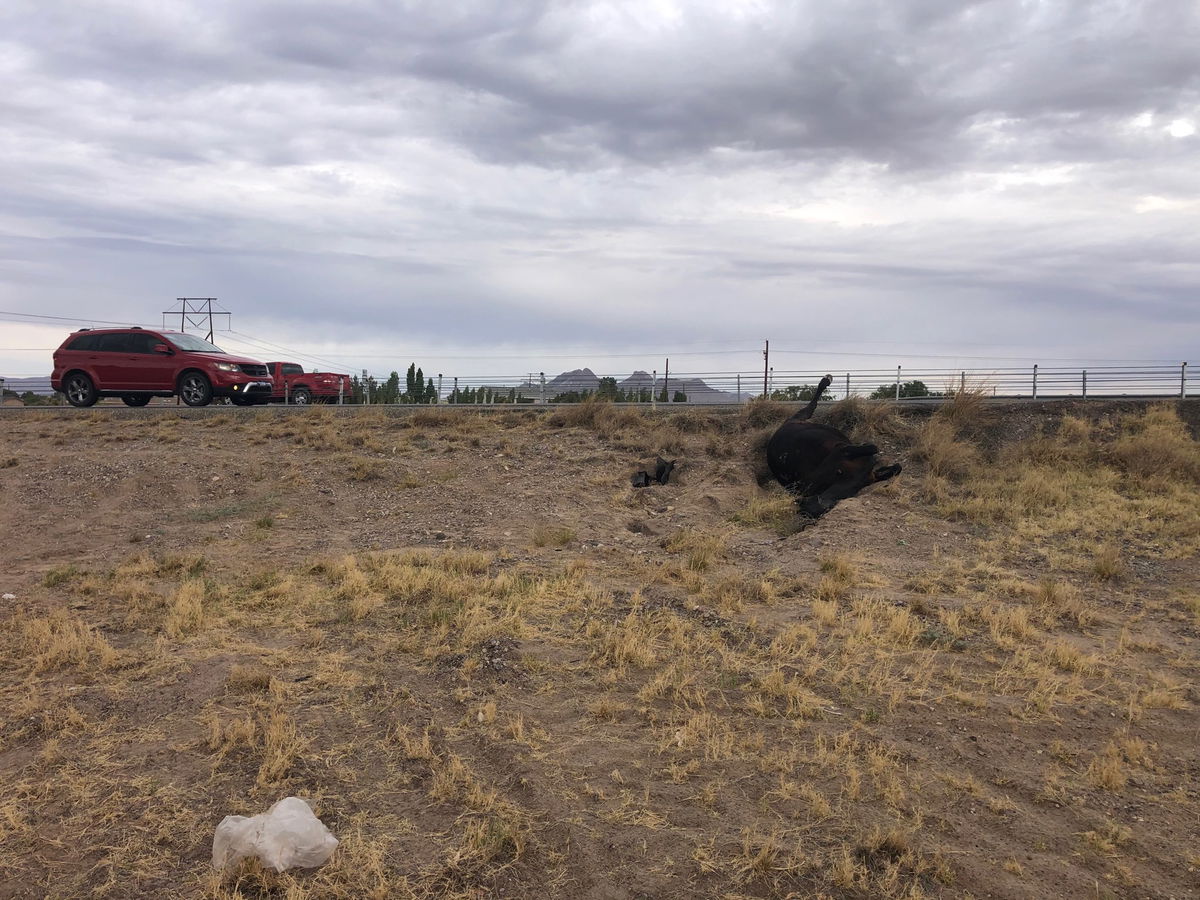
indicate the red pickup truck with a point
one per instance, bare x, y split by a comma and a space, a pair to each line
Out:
294, 385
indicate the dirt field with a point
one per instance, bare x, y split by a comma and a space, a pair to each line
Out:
497, 670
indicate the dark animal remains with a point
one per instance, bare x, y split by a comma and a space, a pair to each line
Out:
662, 474
818, 463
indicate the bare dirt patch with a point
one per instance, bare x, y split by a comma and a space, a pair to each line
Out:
497, 669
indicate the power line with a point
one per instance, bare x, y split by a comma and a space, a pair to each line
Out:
533, 354
66, 318
293, 351
601, 354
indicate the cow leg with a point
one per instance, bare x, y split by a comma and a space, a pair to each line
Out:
883, 473
854, 451
662, 470
806, 413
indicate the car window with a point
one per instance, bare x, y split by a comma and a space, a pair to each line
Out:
83, 342
193, 344
141, 343
293, 370
111, 343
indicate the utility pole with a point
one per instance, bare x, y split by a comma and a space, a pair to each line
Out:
667, 383
766, 366
197, 312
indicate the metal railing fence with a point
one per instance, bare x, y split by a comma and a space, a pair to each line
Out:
731, 387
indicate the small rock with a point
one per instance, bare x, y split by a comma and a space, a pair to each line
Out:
8, 597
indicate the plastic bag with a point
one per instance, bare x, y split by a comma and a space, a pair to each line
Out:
286, 836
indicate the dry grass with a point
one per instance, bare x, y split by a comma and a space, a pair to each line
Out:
1123, 486
874, 708
775, 511
700, 549
552, 536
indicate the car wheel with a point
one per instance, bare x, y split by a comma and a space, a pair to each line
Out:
195, 389
80, 390
301, 397
135, 399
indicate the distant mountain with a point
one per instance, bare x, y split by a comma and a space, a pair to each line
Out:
38, 385
695, 388
575, 380
638, 381
587, 380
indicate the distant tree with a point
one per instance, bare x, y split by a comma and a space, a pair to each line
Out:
29, 398
680, 397
907, 389
410, 383
608, 390
430, 393
389, 391
794, 392
571, 397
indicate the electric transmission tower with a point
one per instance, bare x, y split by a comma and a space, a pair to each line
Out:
197, 312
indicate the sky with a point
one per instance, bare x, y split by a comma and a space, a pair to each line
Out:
487, 187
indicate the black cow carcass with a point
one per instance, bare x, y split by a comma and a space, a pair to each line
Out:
818, 463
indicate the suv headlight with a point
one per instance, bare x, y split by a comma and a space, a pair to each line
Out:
227, 367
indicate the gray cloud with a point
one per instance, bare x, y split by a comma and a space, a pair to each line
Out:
463, 174
567, 84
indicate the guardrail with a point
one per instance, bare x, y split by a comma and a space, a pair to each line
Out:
712, 388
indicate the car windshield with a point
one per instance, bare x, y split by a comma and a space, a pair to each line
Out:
193, 344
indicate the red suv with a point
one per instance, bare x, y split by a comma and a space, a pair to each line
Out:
135, 365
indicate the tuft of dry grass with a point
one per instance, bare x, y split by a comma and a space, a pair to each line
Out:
773, 511
1108, 565
60, 639
595, 414
282, 744
248, 679
1157, 444
185, 609
945, 456
702, 549
965, 406
552, 535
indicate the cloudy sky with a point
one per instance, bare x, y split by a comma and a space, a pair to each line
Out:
489, 187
